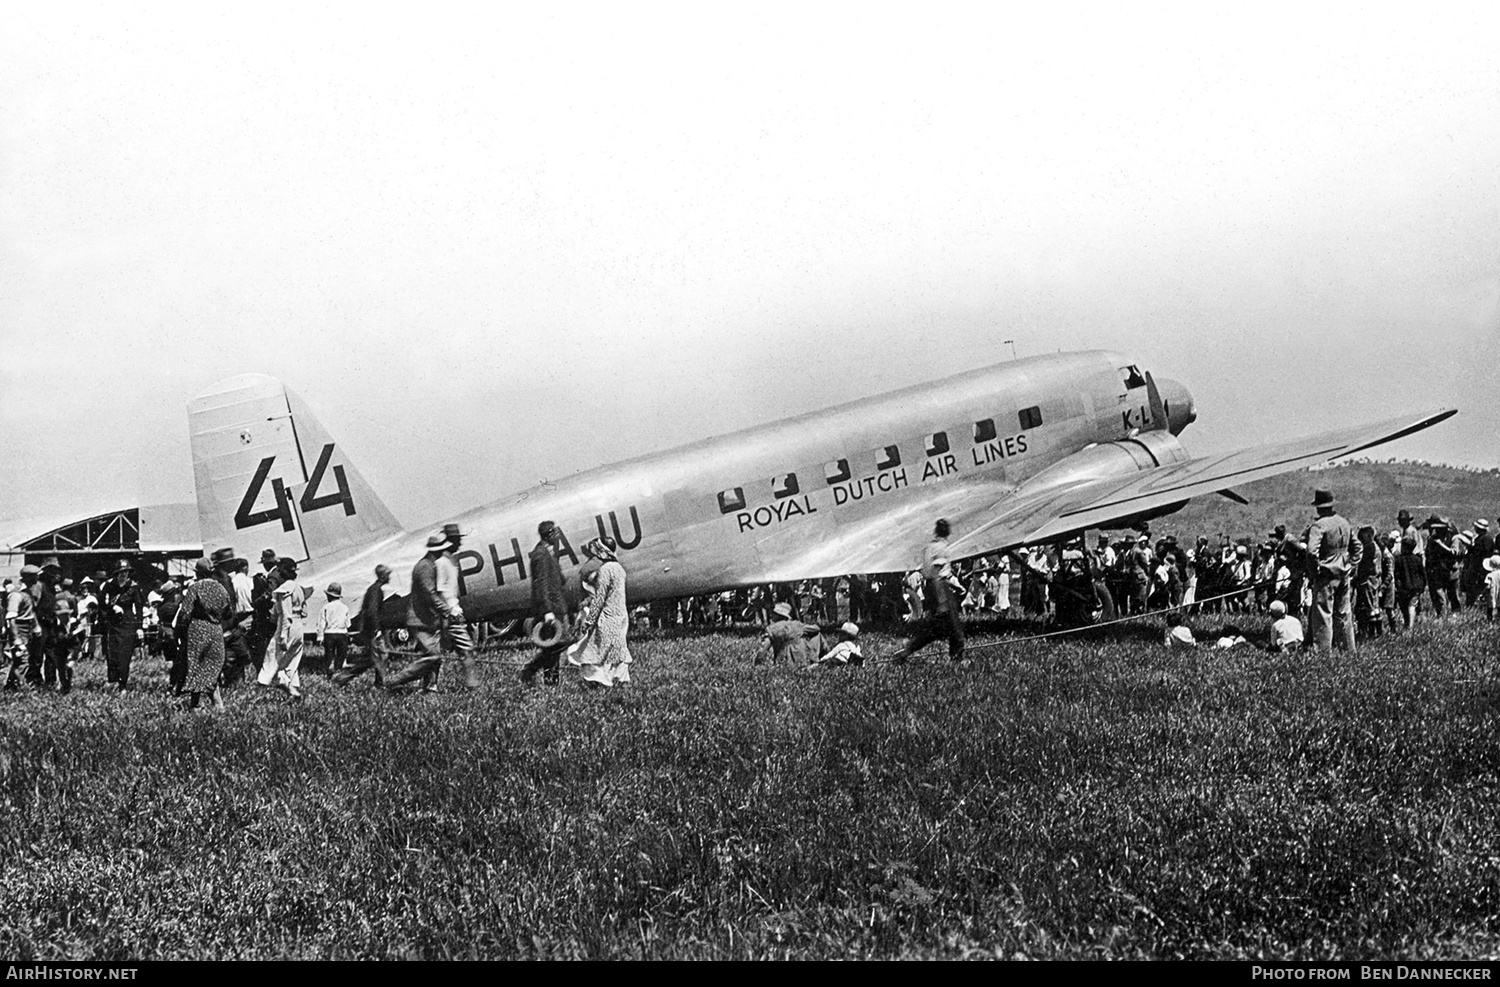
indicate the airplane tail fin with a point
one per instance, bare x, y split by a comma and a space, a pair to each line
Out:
268, 475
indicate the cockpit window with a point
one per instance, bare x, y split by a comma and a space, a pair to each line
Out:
1132, 377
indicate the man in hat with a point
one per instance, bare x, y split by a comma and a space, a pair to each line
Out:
53, 612
21, 626
1479, 551
1444, 556
790, 640
122, 607
262, 606
1332, 612
428, 614
456, 636
549, 606
1408, 526
239, 653
371, 634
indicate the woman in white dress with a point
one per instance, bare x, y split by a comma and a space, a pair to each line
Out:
600, 651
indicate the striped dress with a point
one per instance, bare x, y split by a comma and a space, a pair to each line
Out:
205, 603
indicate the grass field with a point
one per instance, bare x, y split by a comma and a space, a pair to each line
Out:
1085, 799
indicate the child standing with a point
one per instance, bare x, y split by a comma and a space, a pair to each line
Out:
333, 628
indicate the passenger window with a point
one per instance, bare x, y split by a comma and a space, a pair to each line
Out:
937, 443
887, 458
731, 500
1031, 418
984, 431
784, 486
836, 471
1132, 377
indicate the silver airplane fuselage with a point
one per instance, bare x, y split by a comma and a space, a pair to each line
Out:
750, 507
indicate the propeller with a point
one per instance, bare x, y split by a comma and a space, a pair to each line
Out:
1158, 410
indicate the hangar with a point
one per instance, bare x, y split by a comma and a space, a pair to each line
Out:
163, 537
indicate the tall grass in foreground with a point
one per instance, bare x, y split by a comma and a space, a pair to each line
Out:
1068, 800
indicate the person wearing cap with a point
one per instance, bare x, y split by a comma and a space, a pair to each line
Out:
284, 657
1286, 630
790, 640
371, 635
263, 612
549, 605
1328, 542
601, 651
333, 629
1479, 550
846, 651
122, 607
21, 626
206, 606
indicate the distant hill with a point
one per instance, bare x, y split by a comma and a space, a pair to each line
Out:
1365, 493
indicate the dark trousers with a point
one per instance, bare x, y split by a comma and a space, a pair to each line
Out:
177, 661
374, 657
934, 627
57, 669
335, 651
546, 662
119, 648
239, 654
1443, 587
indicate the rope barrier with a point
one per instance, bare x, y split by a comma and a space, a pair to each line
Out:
1010, 642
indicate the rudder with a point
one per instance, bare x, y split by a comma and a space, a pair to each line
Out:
268, 475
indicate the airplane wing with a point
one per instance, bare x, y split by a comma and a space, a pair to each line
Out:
986, 517
1051, 514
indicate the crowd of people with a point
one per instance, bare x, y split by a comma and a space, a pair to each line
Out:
224, 625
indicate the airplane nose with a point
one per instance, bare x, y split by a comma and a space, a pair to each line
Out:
1177, 401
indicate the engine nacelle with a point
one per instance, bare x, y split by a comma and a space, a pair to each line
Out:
1145, 451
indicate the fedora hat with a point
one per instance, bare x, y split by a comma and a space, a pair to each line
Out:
223, 556
334, 591
1482, 525
50, 562
547, 633
783, 609
1322, 498
122, 566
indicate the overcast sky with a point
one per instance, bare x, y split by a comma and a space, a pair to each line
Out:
489, 246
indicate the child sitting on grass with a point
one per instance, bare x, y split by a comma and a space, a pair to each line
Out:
845, 652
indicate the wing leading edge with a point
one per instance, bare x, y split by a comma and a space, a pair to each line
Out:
1050, 514
987, 517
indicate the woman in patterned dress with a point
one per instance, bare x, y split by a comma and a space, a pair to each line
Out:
204, 606
601, 652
